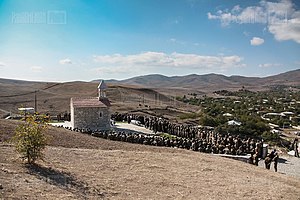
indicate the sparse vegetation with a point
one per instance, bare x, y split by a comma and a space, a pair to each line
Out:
270, 137
167, 136
189, 116
29, 139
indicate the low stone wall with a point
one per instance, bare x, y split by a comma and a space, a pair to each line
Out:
235, 157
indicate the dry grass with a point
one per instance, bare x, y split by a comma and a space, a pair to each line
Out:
56, 99
79, 166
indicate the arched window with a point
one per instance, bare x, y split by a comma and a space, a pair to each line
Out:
100, 114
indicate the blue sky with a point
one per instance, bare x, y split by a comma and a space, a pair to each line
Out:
65, 40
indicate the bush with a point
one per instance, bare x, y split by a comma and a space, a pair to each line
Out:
189, 116
267, 136
29, 138
208, 121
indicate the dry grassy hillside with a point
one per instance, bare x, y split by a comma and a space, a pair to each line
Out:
78, 166
54, 98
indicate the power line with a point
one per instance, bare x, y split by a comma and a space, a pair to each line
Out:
23, 94
17, 95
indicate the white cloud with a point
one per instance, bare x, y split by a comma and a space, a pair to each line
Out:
36, 68
236, 9
117, 70
282, 18
122, 66
256, 41
2, 64
65, 61
286, 31
159, 59
270, 65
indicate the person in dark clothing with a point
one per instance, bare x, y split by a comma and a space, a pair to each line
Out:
295, 145
273, 156
268, 162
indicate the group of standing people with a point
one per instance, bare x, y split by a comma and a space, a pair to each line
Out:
202, 139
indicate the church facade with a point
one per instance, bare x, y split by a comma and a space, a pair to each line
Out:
91, 112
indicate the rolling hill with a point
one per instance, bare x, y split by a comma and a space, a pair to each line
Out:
212, 81
135, 93
54, 98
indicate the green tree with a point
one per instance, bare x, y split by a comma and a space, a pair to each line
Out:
29, 139
208, 121
270, 137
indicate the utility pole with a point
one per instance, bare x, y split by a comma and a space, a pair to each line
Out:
35, 102
143, 99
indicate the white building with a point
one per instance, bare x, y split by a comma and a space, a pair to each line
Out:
234, 123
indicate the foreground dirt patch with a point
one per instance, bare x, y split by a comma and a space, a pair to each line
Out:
72, 173
78, 166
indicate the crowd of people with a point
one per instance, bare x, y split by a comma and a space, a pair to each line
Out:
196, 138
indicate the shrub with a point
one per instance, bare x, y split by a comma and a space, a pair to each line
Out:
189, 116
267, 136
29, 138
208, 121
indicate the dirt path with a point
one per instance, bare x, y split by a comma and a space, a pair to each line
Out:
132, 128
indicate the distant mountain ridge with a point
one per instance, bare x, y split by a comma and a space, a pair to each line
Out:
210, 82
291, 78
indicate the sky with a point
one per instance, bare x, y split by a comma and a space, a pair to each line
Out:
68, 40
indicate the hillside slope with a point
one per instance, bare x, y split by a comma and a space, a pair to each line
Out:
135, 93
78, 166
54, 98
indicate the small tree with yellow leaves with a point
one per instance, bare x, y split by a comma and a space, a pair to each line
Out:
29, 139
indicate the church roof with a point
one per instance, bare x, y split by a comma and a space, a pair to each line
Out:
90, 102
102, 85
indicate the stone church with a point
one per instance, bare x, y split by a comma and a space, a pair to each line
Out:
91, 112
